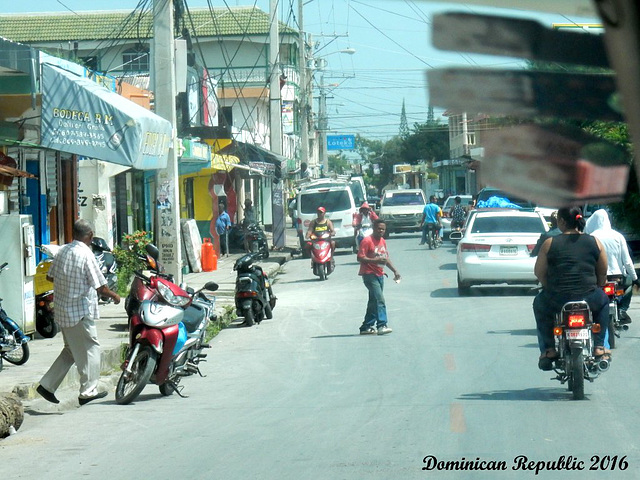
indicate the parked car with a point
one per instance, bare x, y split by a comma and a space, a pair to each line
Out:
402, 210
446, 209
337, 198
488, 192
496, 246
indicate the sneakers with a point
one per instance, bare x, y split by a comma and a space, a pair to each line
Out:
368, 331
625, 319
85, 400
384, 330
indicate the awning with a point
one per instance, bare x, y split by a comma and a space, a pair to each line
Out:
82, 117
258, 158
218, 163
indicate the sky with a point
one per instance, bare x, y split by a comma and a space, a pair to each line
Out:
365, 90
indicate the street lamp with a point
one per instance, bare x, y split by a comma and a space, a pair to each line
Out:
320, 64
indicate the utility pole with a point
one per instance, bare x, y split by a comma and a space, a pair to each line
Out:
275, 114
304, 116
168, 214
323, 123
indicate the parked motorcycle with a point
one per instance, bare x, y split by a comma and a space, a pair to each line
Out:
257, 240
573, 332
13, 343
107, 262
322, 262
46, 325
167, 328
254, 296
615, 291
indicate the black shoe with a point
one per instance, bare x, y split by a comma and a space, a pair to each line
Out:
84, 401
545, 363
46, 394
625, 319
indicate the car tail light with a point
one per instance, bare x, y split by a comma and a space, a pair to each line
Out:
474, 247
610, 289
531, 247
575, 320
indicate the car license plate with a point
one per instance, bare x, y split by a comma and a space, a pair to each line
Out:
581, 334
508, 250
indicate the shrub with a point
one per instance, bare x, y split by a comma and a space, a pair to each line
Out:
129, 256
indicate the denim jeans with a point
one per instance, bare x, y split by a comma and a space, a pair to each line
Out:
376, 308
546, 305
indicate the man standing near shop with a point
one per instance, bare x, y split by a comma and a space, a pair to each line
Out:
373, 256
223, 224
77, 282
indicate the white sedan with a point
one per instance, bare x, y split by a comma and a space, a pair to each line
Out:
496, 247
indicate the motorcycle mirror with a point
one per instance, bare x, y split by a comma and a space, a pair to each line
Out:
153, 251
212, 286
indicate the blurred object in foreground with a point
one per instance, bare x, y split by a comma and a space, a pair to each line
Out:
554, 165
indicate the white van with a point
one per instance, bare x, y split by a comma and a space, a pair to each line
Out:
337, 198
402, 210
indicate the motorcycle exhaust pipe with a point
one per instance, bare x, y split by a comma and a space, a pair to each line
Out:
603, 365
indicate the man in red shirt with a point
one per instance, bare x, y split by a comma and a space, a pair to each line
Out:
373, 256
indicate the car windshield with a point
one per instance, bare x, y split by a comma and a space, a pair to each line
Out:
408, 198
331, 200
507, 225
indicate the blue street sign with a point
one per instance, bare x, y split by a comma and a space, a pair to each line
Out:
341, 142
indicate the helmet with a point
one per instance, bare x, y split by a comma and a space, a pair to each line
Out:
365, 206
322, 209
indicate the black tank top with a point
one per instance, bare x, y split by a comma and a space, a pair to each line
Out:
572, 264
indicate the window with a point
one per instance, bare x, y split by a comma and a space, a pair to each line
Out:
409, 198
333, 201
136, 60
508, 225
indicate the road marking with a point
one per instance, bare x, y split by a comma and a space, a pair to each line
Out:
448, 328
449, 362
456, 418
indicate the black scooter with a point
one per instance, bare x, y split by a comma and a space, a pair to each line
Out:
107, 262
257, 240
254, 296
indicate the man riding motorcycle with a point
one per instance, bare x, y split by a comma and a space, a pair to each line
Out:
618, 257
363, 219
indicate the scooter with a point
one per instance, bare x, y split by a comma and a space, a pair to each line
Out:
257, 240
46, 325
13, 343
322, 262
107, 262
165, 341
254, 296
615, 291
573, 333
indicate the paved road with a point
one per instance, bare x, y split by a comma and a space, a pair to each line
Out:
305, 396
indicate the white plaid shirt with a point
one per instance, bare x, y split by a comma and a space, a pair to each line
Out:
76, 277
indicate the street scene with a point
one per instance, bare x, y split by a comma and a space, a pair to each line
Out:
319, 239
305, 395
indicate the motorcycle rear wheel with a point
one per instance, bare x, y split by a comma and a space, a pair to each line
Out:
612, 331
166, 389
268, 313
248, 317
144, 365
17, 356
577, 374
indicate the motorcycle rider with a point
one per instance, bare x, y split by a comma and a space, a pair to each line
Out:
618, 257
363, 219
457, 213
430, 215
320, 225
571, 266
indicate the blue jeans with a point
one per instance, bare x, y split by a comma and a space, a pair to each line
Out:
376, 308
546, 305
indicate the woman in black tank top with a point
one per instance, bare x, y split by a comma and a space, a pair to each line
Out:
571, 266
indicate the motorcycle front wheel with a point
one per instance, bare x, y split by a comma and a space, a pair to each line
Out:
17, 356
322, 271
577, 374
131, 384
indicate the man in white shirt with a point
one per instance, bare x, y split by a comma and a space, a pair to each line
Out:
77, 282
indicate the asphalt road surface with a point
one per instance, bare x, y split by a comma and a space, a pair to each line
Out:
304, 396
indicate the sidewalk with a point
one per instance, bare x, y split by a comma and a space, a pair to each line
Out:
112, 330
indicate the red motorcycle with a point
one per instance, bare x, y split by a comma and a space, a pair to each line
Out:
167, 325
322, 261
